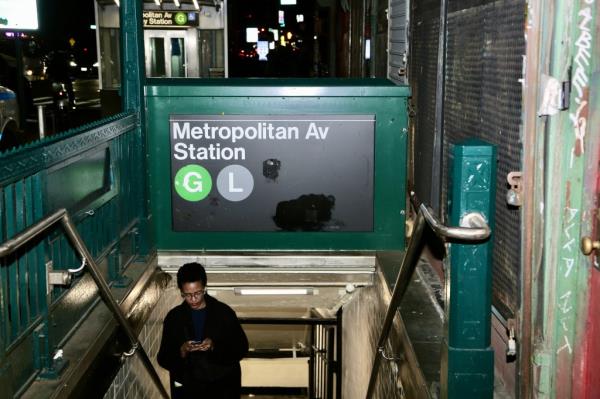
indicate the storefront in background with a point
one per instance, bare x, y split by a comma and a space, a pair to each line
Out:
184, 41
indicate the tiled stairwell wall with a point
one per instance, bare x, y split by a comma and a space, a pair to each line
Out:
363, 317
133, 381
362, 321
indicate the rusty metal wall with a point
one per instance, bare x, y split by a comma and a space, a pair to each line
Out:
484, 63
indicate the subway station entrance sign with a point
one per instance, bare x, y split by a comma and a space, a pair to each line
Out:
272, 172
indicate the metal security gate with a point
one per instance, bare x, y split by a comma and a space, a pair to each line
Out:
325, 359
398, 20
322, 346
482, 99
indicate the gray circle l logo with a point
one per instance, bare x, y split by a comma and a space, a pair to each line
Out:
235, 183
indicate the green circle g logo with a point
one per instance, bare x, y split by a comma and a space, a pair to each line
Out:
180, 18
193, 183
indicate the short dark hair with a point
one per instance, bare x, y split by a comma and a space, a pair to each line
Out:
190, 273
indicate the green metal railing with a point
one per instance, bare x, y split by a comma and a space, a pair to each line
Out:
91, 172
31, 233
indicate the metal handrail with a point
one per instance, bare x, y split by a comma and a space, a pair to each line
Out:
479, 231
62, 215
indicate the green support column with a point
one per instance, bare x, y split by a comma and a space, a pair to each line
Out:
132, 50
132, 92
467, 357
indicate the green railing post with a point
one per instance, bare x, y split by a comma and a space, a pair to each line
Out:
467, 357
49, 367
115, 269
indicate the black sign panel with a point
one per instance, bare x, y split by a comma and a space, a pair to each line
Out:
272, 173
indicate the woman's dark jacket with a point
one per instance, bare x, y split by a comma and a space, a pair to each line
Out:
215, 368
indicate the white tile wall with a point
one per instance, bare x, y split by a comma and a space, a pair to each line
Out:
132, 380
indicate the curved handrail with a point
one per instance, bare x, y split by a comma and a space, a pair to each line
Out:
477, 229
474, 228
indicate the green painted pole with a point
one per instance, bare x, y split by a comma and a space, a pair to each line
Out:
132, 92
132, 50
467, 356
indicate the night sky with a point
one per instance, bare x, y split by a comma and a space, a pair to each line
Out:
60, 20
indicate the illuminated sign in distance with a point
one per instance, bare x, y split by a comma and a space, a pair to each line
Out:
18, 15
